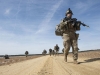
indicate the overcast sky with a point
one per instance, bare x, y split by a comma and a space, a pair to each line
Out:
30, 24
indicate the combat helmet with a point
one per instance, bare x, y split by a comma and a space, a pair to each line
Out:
68, 11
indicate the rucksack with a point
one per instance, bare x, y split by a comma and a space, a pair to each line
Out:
56, 48
58, 31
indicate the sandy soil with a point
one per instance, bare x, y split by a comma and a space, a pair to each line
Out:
51, 65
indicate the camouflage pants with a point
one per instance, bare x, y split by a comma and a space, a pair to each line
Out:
70, 40
50, 53
53, 53
56, 53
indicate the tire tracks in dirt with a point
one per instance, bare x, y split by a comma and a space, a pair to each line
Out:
51, 65
48, 67
80, 69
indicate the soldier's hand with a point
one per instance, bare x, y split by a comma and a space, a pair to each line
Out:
65, 22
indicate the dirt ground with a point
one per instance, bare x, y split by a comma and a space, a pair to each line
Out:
51, 65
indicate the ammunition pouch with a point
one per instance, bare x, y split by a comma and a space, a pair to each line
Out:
77, 36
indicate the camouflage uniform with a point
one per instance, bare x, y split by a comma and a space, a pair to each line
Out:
53, 52
26, 53
50, 51
69, 38
44, 52
56, 48
63, 50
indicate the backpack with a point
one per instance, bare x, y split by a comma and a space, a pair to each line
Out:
56, 48
58, 31
74, 20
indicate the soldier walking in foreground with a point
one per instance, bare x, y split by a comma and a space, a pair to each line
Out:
67, 29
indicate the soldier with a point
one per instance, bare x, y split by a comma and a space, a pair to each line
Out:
26, 53
56, 48
50, 51
63, 50
69, 35
44, 52
53, 51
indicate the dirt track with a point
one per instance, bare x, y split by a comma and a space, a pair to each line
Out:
47, 65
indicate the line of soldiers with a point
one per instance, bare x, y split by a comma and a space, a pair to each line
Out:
52, 51
55, 51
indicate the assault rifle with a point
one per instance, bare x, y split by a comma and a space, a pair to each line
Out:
74, 21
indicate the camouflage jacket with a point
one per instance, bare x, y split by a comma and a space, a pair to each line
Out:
67, 26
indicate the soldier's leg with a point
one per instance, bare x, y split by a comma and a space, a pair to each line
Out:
55, 53
72, 49
75, 51
26, 55
66, 49
66, 44
58, 53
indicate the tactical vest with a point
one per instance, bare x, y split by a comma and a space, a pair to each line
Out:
72, 24
67, 27
50, 50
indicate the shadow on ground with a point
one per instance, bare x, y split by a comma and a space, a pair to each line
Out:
91, 60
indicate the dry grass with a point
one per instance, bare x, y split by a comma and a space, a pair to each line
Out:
88, 54
15, 59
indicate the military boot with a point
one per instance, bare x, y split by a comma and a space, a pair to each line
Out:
65, 59
76, 62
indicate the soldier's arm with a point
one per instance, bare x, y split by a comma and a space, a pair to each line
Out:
63, 24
